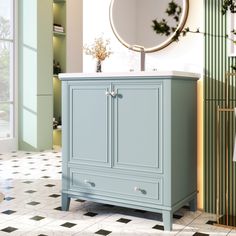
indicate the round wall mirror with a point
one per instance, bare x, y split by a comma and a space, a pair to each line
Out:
132, 22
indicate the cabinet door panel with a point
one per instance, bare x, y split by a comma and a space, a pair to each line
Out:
90, 125
138, 127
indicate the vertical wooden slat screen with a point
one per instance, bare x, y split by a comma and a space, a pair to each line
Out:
216, 64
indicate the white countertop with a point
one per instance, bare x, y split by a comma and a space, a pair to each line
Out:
182, 74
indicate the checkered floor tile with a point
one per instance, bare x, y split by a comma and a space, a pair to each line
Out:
31, 183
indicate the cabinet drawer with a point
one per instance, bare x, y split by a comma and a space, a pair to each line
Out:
131, 188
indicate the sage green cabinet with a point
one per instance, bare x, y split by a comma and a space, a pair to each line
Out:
130, 141
90, 117
137, 126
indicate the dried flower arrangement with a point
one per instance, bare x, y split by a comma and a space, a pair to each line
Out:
99, 49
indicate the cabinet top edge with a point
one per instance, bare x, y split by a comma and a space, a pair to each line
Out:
130, 75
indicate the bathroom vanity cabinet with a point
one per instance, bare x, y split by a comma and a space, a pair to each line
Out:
130, 140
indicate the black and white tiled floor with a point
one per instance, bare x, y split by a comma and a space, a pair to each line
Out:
31, 183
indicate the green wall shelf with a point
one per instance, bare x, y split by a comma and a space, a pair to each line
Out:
55, 33
59, 1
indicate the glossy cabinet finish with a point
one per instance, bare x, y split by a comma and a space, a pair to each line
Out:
130, 142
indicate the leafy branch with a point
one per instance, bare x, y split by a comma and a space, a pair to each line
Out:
173, 10
162, 27
197, 31
229, 5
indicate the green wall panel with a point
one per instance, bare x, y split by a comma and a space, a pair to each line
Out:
216, 64
35, 57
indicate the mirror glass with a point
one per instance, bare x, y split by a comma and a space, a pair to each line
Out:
132, 22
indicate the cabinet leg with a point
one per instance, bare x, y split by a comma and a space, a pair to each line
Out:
193, 204
65, 202
167, 220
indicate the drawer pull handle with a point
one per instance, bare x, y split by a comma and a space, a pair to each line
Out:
137, 189
89, 182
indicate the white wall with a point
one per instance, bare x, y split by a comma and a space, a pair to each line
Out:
187, 54
74, 35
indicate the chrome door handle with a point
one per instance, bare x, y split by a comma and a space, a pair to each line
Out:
113, 93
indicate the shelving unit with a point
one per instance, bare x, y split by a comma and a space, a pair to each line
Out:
59, 56
58, 33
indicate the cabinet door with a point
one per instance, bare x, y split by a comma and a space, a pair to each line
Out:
90, 124
138, 127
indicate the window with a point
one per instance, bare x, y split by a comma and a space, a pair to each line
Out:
7, 68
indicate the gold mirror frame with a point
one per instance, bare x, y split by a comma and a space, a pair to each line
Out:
160, 46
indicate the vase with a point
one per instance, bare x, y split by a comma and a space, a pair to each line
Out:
99, 66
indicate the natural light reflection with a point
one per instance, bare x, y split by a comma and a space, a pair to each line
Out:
6, 69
